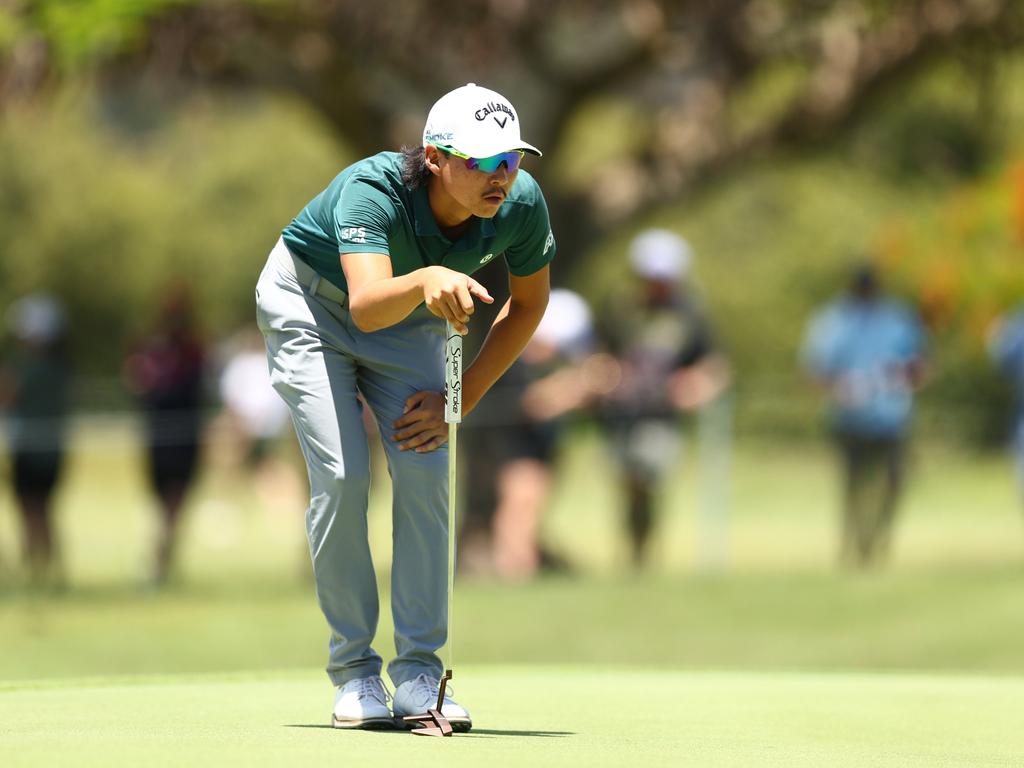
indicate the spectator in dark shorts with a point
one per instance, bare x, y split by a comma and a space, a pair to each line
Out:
165, 371
34, 383
867, 351
668, 365
536, 393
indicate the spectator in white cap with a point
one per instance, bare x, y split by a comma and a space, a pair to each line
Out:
353, 300
667, 364
516, 439
34, 382
660, 255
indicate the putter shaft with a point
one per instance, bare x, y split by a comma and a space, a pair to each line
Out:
452, 433
433, 722
452, 415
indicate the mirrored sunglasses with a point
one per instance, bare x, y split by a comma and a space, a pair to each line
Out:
489, 164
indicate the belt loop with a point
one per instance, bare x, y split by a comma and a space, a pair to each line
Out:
314, 284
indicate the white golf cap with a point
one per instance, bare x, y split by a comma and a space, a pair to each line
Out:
660, 254
36, 318
567, 323
475, 121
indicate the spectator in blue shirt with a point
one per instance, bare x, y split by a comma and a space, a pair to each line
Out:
1006, 347
867, 351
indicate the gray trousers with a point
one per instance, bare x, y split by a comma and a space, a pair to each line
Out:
319, 361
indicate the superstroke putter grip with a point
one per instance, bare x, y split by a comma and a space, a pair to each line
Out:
452, 377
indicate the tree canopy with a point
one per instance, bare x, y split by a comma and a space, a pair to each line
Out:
688, 89
779, 136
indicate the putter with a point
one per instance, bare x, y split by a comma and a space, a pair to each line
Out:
432, 722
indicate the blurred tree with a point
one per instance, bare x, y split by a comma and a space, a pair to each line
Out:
638, 104
103, 219
693, 88
961, 263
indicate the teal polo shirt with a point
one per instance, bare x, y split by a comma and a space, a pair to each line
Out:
367, 209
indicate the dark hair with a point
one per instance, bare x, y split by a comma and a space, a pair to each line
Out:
415, 173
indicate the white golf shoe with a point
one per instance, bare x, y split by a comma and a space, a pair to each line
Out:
362, 703
416, 696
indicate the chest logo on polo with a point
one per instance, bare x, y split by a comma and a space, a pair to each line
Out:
487, 258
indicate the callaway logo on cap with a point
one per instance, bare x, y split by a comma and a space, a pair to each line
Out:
475, 121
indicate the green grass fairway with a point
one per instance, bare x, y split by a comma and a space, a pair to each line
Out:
919, 663
557, 716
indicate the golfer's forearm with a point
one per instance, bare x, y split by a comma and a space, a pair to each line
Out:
382, 303
508, 336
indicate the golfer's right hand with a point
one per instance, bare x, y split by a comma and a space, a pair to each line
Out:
449, 294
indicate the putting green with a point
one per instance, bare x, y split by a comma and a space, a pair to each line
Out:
531, 717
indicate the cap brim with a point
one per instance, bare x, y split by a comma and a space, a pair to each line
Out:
497, 149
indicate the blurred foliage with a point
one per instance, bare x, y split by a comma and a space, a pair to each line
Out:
105, 222
943, 218
961, 260
704, 87
78, 32
145, 141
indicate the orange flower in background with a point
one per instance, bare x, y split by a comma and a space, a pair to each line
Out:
893, 245
961, 260
1018, 203
980, 319
939, 294
963, 212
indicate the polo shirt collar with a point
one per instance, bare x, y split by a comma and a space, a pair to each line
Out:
426, 224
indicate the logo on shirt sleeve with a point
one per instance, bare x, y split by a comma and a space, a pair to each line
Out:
353, 234
549, 242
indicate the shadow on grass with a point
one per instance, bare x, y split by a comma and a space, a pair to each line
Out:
474, 732
543, 734
382, 731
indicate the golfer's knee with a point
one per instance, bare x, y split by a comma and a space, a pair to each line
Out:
421, 467
338, 481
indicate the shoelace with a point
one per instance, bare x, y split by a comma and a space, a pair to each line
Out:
373, 688
426, 687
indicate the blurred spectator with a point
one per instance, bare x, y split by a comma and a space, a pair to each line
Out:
258, 414
668, 364
34, 383
519, 431
1006, 346
165, 371
259, 421
867, 351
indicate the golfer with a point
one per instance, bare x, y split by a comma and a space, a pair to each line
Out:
353, 301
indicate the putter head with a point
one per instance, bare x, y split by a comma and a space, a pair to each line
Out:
432, 722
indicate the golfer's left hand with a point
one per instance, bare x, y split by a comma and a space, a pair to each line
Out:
422, 427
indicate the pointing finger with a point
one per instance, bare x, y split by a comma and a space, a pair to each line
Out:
480, 292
